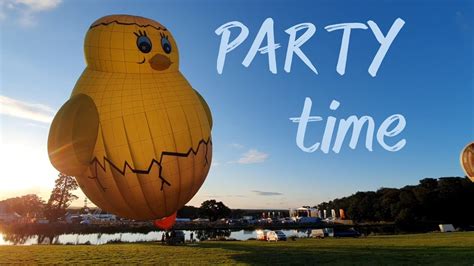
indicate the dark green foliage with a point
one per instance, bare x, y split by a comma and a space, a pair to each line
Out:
443, 200
190, 212
27, 206
214, 210
61, 197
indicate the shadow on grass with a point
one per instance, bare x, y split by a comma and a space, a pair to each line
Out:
271, 253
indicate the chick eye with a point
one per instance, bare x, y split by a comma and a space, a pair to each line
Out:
143, 42
165, 44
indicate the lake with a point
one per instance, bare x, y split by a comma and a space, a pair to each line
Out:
99, 239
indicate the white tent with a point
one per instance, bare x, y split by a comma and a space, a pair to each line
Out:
444, 228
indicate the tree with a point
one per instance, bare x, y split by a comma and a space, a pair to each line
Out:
27, 206
214, 210
190, 212
61, 197
237, 214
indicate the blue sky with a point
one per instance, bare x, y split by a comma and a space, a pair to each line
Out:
426, 76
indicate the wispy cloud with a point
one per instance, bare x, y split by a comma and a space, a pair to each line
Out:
38, 125
267, 193
25, 110
225, 196
253, 156
25, 10
462, 21
237, 146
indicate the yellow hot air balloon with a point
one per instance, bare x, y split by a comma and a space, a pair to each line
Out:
134, 133
467, 160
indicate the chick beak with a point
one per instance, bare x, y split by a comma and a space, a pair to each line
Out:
160, 62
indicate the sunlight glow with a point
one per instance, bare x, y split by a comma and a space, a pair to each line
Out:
25, 169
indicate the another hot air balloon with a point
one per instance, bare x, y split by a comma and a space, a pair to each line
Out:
134, 133
467, 161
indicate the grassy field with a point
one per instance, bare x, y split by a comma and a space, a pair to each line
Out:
433, 248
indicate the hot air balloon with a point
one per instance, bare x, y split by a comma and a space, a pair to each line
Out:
467, 160
134, 133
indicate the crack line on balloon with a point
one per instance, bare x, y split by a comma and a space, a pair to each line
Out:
97, 178
205, 155
127, 24
126, 165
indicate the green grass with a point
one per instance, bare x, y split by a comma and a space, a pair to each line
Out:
433, 248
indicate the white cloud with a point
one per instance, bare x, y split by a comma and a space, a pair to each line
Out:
38, 5
25, 10
253, 156
25, 110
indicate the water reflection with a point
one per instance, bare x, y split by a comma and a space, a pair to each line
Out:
216, 234
101, 238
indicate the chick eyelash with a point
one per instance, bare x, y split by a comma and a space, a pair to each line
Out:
163, 35
140, 33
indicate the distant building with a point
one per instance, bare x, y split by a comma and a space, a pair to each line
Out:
98, 217
183, 220
73, 216
304, 212
201, 220
248, 218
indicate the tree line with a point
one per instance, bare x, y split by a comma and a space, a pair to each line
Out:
432, 201
442, 200
32, 206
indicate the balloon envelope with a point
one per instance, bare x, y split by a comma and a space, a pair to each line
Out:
467, 161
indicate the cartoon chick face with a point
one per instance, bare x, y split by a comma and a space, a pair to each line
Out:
131, 45
134, 133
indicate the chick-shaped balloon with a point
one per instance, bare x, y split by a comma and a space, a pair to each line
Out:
134, 133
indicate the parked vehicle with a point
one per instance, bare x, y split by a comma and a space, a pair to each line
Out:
262, 235
309, 220
317, 233
176, 237
264, 221
233, 221
328, 232
249, 221
276, 236
281, 235
287, 221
